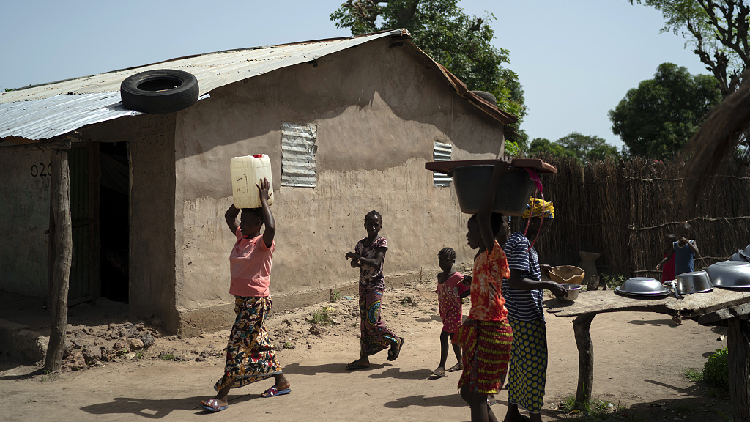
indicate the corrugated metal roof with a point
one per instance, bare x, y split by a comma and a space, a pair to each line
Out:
55, 109
46, 111
50, 117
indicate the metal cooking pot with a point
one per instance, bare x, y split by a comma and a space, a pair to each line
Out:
732, 274
695, 282
571, 291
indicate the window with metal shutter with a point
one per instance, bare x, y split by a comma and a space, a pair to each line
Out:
298, 155
442, 152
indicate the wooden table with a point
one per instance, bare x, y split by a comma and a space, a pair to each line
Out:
716, 307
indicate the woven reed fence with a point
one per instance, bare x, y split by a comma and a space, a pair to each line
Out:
624, 210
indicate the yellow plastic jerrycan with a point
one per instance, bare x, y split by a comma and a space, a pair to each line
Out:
247, 172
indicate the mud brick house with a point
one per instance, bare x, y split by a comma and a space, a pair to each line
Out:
348, 124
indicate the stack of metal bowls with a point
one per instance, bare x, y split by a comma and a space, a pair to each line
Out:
642, 287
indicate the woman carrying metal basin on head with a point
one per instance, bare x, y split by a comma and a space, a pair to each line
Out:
523, 292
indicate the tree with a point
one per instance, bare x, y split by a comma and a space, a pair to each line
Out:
460, 42
717, 30
541, 146
587, 148
656, 119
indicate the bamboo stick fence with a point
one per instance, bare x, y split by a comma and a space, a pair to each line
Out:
625, 210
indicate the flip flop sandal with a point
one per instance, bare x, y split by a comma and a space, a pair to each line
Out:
393, 352
273, 392
355, 366
456, 367
213, 406
436, 374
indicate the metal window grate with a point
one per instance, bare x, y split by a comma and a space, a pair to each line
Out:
298, 150
442, 152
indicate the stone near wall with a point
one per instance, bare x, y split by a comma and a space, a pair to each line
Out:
91, 354
135, 344
591, 275
74, 362
120, 345
147, 339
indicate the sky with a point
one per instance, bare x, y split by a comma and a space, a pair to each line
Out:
575, 59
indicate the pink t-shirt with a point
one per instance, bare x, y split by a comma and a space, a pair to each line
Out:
449, 301
250, 265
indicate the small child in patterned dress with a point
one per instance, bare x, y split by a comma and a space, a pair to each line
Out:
452, 287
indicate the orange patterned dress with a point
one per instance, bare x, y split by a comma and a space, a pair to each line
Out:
486, 337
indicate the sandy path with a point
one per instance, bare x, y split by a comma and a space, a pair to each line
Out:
639, 360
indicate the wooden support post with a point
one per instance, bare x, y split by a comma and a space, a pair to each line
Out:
581, 329
60, 199
739, 358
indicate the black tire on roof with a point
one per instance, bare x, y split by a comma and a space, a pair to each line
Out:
159, 91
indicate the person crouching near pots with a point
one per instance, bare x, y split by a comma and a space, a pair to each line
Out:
524, 292
485, 336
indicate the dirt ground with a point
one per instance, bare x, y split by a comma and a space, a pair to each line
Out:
639, 362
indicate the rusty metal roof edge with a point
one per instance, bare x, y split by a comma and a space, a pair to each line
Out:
462, 90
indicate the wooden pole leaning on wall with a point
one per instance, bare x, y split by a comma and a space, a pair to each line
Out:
60, 199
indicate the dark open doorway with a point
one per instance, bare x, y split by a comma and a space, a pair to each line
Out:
114, 209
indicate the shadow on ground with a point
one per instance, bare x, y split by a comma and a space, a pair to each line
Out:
700, 403
156, 408
452, 400
397, 373
655, 322
330, 368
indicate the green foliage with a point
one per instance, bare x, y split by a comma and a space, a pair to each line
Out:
693, 375
716, 30
166, 356
335, 296
582, 147
716, 369
594, 410
656, 119
587, 148
613, 280
460, 42
541, 146
512, 148
323, 316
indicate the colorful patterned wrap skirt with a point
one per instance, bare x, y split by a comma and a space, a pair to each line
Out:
250, 354
375, 335
528, 364
486, 352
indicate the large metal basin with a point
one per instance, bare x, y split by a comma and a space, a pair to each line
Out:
741, 256
642, 286
695, 282
730, 274
511, 197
